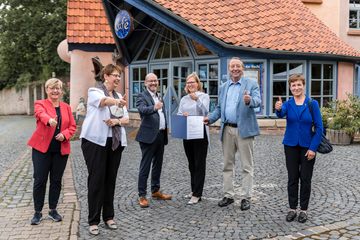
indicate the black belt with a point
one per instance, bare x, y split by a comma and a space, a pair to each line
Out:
234, 125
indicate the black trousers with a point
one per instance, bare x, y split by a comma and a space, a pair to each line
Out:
298, 167
46, 164
152, 154
102, 164
196, 151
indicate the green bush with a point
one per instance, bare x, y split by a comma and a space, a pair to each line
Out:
343, 115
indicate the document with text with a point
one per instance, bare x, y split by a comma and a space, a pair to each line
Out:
195, 127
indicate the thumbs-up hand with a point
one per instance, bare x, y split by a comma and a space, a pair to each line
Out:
53, 122
247, 97
278, 104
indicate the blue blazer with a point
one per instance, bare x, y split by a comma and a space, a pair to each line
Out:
150, 119
299, 127
246, 117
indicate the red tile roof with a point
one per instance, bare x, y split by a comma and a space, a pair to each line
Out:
286, 25
87, 23
269, 24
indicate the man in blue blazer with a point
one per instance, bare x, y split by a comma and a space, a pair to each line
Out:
238, 98
152, 137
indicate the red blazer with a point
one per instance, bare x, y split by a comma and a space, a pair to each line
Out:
41, 138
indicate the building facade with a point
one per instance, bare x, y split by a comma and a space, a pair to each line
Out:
274, 38
343, 18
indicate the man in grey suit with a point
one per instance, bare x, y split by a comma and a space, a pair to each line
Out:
152, 137
238, 98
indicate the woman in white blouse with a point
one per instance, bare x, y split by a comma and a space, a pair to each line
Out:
103, 141
195, 103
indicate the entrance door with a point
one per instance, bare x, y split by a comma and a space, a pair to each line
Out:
172, 78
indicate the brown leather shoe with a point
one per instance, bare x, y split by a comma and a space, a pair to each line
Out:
161, 196
143, 202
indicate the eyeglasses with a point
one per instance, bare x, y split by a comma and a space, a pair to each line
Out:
152, 81
188, 83
54, 88
116, 75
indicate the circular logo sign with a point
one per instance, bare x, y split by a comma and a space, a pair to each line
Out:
123, 24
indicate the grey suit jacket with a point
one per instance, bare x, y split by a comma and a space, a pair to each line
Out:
150, 119
246, 117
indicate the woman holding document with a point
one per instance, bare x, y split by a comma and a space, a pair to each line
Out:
195, 103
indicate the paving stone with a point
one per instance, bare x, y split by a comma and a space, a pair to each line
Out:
267, 207
335, 195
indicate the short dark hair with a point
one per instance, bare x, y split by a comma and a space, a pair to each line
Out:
109, 69
296, 77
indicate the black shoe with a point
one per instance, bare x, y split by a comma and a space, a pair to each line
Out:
225, 201
245, 205
302, 217
55, 216
291, 215
36, 218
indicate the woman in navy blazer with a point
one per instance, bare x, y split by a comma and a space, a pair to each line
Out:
300, 144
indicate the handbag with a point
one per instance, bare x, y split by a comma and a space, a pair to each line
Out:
325, 145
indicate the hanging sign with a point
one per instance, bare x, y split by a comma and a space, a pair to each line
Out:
123, 24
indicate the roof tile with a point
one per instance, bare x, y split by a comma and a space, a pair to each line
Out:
269, 24
87, 23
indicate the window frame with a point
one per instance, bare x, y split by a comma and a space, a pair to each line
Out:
357, 81
131, 77
208, 62
194, 53
156, 46
263, 94
288, 95
334, 80
353, 7
143, 47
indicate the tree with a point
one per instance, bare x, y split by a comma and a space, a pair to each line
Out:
30, 32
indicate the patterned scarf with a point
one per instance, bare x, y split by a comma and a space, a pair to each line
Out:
116, 130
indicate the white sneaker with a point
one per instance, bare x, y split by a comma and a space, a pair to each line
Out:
188, 196
194, 200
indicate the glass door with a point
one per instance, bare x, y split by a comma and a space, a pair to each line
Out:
172, 78
162, 72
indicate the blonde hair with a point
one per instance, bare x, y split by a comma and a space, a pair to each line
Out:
296, 77
53, 82
197, 80
237, 58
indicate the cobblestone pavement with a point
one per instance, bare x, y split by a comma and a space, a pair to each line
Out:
14, 133
16, 206
333, 212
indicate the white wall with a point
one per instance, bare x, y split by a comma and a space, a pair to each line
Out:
20, 102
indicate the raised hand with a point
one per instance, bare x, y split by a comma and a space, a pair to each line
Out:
53, 122
278, 104
121, 102
247, 97
158, 105
193, 96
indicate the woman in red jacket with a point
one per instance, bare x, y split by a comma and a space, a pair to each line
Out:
50, 144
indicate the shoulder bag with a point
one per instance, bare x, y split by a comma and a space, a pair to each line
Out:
325, 145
